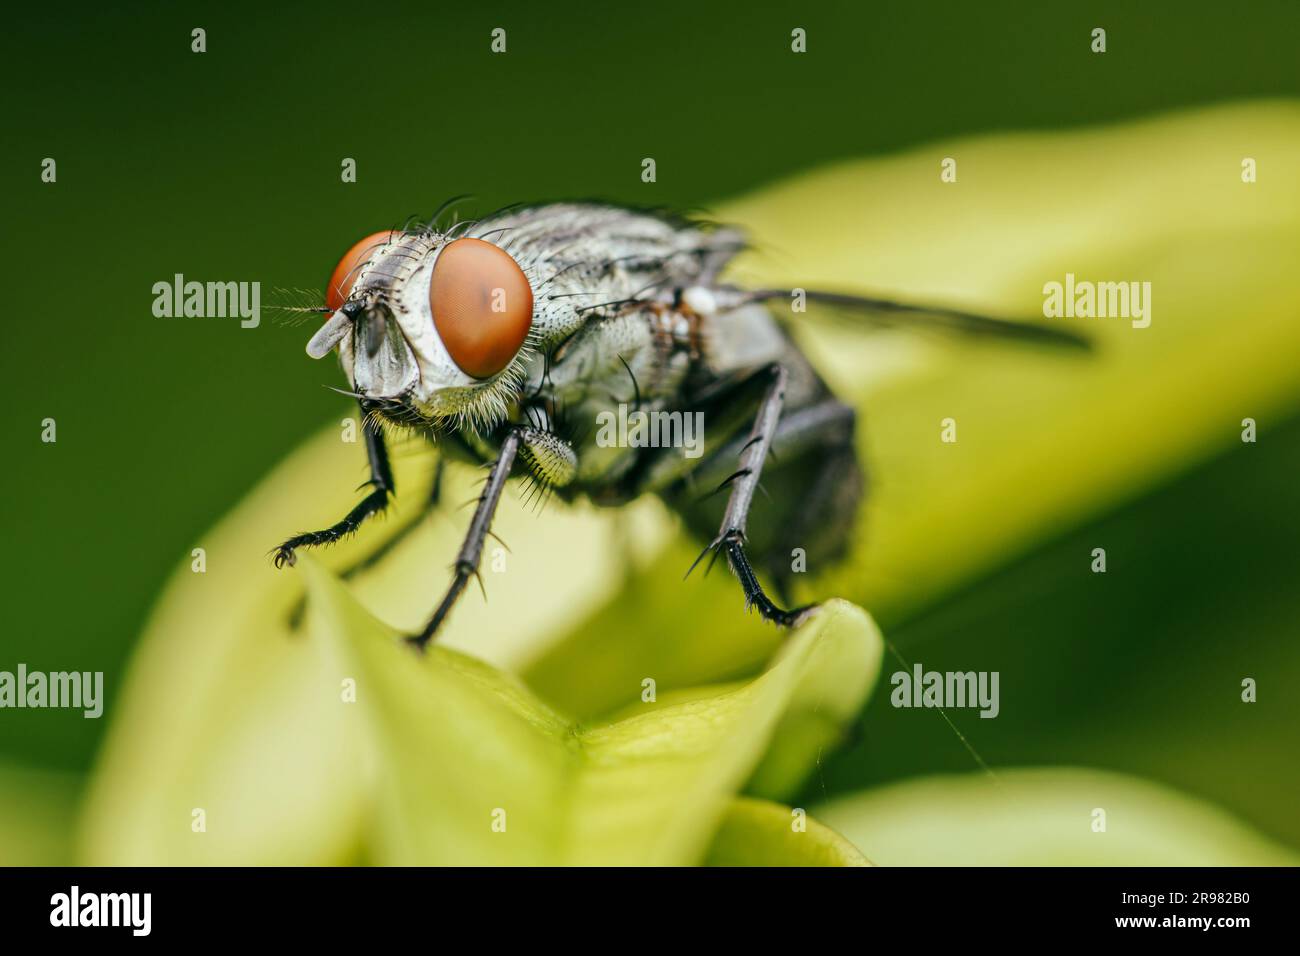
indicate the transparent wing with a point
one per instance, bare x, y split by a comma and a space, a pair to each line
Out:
866, 311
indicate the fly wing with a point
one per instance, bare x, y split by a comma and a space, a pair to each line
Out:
884, 313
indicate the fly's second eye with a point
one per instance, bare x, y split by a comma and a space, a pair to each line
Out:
349, 267
482, 305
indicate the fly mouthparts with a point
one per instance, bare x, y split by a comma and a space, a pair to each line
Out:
329, 335
376, 326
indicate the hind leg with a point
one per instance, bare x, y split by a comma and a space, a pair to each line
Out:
813, 471
814, 485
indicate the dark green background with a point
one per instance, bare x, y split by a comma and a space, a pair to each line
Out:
225, 166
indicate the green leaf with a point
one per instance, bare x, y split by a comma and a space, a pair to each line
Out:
477, 770
1044, 817
759, 833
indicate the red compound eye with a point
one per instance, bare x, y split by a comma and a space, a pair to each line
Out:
345, 273
482, 306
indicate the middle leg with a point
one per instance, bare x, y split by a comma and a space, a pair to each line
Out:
551, 460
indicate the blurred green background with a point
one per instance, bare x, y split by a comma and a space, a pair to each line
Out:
225, 166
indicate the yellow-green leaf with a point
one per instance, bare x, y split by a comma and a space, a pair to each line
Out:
1043, 440
1044, 817
759, 833
474, 769
226, 711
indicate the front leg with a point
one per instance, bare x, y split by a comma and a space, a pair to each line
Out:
381, 483
551, 461
731, 536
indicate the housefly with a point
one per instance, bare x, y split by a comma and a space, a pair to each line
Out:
496, 337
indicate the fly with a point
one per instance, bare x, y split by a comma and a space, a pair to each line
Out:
495, 337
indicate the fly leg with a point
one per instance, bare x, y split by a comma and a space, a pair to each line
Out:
389, 545
551, 461
819, 486
381, 483
744, 482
